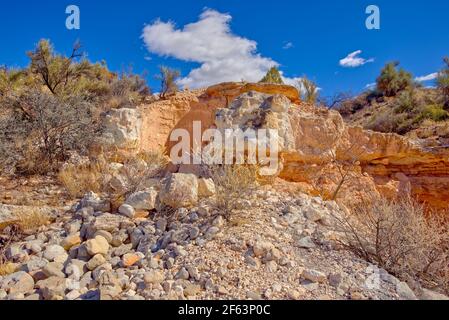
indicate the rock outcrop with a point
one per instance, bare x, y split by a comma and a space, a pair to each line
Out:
317, 147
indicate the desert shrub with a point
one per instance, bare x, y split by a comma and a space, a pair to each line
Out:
273, 76
80, 179
137, 171
337, 101
41, 128
308, 89
405, 102
112, 174
387, 121
399, 237
233, 183
57, 71
54, 106
391, 81
443, 82
168, 78
31, 220
127, 90
433, 112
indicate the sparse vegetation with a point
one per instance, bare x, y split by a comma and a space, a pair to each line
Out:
100, 176
399, 237
31, 220
443, 82
233, 183
168, 78
392, 81
273, 76
54, 106
78, 180
308, 89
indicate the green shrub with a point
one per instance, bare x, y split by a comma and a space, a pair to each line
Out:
273, 76
391, 81
433, 112
405, 102
443, 82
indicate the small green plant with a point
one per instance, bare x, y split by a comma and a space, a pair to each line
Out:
391, 80
433, 112
273, 76
405, 102
443, 82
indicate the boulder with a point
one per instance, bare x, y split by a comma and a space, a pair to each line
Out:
52, 288
143, 200
179, 191
71, 241
98, 245
206, 188
94, 201
122, 129
16, 283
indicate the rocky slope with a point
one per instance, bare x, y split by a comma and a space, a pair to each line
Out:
277, 246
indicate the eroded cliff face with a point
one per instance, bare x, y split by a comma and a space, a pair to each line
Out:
319, 150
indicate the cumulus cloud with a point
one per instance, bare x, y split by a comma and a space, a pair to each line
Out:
354, 60
428, 77
222, 55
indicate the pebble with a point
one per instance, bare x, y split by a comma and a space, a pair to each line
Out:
314, 276
54, 269
154, 277
98, 245
95, 262
127, 211
52, 252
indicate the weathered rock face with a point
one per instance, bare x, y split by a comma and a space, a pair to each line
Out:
315, 143
159, 119
379, 163
122, 129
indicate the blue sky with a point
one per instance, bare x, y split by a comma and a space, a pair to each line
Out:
302, 37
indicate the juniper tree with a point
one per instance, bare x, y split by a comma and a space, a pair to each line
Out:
273, 76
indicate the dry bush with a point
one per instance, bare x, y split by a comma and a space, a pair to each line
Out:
145, 166
31, 220
399, 237
41, 129
98, 175
80, 179
334, 173
155, 160
233, 183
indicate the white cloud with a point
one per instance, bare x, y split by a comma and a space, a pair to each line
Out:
223, 55
288, 45
428, 77
370, 85
353, 60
